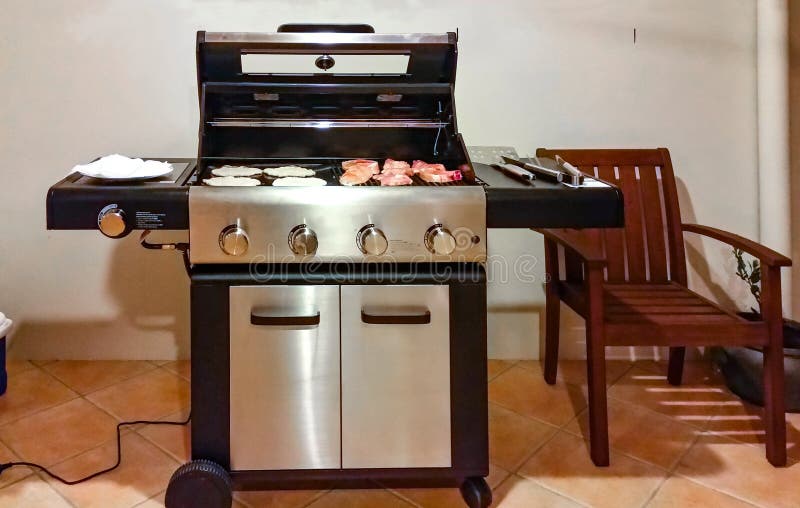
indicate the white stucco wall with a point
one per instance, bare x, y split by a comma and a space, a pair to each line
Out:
86, 78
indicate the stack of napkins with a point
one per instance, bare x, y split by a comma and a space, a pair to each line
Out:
118, 166
5, 325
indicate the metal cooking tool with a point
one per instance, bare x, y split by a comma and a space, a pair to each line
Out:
557, 172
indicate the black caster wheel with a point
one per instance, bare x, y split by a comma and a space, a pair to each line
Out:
476, 493
200, 484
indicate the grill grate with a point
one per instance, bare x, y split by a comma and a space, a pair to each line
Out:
417, 182
328, 171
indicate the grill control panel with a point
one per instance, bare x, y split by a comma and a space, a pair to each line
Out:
337, 224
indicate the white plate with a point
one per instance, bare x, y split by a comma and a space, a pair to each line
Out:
122, 169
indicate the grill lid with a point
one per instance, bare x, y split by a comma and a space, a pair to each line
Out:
328, 91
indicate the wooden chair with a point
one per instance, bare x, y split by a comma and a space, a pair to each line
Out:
629, 284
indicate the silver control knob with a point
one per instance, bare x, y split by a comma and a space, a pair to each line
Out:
371, 240
303, 240
111, 222
233, 240
439, 240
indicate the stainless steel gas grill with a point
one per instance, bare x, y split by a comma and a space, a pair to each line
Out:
338, 332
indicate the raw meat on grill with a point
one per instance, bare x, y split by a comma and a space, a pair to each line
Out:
435, 173
422, 166
393, 179
440, 176
358, 171
393, 167
361, 163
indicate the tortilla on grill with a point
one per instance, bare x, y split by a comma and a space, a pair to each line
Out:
294, 181
231, 181
235, 171
286, 171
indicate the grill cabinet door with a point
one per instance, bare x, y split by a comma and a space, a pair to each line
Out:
395, 376
284, 373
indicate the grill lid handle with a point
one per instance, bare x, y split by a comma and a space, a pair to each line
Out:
342, 28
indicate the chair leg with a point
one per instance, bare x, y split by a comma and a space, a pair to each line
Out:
552, 318
774, 405
552, 314
596, 372
774, 402
675, 369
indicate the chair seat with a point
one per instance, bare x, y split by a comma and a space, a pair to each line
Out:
663, 314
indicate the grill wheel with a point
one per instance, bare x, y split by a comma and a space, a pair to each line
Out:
200, 484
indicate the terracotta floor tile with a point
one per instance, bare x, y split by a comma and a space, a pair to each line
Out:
176, 440
277, 498
574, 371
744, 422
512, 437
497, 367
441, 498
32, 492
145, 471
694, 371
367, 498
40, 363
88, 376
679, 492
517, 492
563, 465
149, 396
525, 392
741, 471
156, 501
15, 473
664, 442
183, 368
53, 435
14, 367
32, 391
692, 403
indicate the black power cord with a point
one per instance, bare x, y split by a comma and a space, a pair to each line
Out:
9, 465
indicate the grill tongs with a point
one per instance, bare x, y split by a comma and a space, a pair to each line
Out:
558, 170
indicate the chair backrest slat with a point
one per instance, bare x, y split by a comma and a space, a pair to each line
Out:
650, 246
654, 224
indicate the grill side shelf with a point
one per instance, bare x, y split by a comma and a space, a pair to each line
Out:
75, 202
512, 204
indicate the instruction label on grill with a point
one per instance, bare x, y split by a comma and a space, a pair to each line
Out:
149, 220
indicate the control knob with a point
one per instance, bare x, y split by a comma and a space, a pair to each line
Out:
371, 240
439, 240
111, 222
233, 240
303, 240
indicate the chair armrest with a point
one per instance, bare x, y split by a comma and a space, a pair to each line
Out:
764, 254
578, 243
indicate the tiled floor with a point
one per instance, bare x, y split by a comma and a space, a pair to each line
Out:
691, 446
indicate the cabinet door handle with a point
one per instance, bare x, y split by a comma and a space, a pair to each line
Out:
418, 318
261, 318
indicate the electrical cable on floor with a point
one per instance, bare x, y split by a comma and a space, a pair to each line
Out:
9, 465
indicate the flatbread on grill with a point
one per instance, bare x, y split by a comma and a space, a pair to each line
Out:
286, 171
235, 171
231, 181
293, 181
